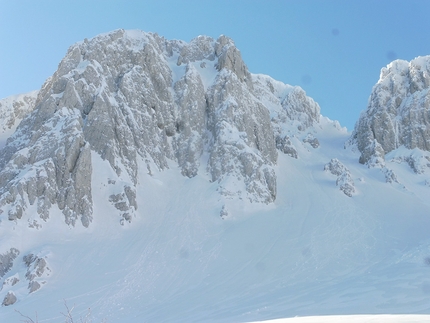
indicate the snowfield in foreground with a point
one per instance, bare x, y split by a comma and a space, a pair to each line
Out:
355, 319
315, 251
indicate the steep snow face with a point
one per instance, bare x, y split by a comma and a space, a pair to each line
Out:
398, 112
132, 96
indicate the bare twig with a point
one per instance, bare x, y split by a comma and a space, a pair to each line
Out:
27, 319
68, 315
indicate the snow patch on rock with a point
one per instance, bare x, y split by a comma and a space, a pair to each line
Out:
344, 179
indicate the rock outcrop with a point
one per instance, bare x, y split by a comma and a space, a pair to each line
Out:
398, 113
285, 145
292, 113
9, 299
37, 268
13, 109
10, 281
344, 179
6, 260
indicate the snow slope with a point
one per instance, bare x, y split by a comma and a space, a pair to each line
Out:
316, 251
356, 319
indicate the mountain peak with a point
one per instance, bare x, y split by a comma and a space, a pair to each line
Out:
134, 97
398, 110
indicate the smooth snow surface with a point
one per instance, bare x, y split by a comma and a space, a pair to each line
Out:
355, 319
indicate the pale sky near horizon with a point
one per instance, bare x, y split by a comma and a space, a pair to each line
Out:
333, 49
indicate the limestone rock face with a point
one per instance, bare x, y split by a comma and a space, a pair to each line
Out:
56, 162
241, 137
298, 106
190, 124
135, 98
292, 113
398, 112
229, 58
13, 109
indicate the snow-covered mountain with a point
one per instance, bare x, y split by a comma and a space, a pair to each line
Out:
157, 180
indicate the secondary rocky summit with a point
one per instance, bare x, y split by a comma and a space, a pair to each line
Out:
135, 98
398, 113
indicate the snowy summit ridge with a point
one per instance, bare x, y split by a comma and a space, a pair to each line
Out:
130, 96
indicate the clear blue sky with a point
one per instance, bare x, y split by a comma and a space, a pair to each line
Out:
332, 49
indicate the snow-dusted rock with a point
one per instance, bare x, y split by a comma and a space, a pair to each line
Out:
13, 109
46, 165
224, 212
6, 260
311, 140
398, 112
229, 58
419, 164
242, 140
125, 202
288, 104
198, 49
9, 299
418, 160
284, 144
298, 106
10, 281
292, 112
190, 125
335, 167
344, 179
37, 268
390, 175
346, 183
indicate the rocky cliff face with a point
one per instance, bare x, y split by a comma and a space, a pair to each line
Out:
398, 112
12, 110
134, 97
